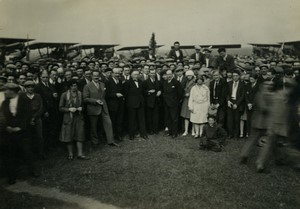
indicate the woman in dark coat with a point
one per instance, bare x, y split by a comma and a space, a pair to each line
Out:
185, 112
73, 125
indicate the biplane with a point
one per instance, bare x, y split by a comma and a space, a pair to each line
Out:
137, 51
13, 48
96, 50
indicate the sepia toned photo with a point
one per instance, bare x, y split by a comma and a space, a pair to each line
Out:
138, 104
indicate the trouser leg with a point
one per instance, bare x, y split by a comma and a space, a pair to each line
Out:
94, 132
256, 134
107, 127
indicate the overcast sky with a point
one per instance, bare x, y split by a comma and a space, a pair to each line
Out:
131, 22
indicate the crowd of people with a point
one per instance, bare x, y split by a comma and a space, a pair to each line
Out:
213, 98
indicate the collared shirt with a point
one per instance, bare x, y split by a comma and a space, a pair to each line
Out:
51, 81
207, 62
177, 53
96, 84
2, 98
158, 76
197, 56
234, 89
87, 80
215, 86
225, 57
152, 80
13, 103
127, 77
180, 78
46, 84
253, 84
116, 80
22, 88
30, 96
136, 83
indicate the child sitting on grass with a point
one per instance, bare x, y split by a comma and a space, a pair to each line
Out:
214, 135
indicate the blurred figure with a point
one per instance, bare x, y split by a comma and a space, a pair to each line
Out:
278, 129
260, 120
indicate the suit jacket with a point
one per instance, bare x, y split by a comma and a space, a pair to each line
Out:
172, 93
49, 102
211, 61
151, 98
240, 95
220, 92
251, 93
81, 83
22, 117
183, 81
113, 102
227, 64
201, 59
134, 96
172, 54
90, 96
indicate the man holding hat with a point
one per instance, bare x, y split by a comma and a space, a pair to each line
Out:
198, 56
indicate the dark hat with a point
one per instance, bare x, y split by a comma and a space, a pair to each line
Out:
12, 86
207, 50
236, 71
3, 78
179, 69
108, 69
29, 83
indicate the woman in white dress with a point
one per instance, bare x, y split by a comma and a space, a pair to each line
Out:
198, 105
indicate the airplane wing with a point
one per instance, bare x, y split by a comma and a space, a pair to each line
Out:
213, 46
265, 45
8, 41
128, 48
39, 45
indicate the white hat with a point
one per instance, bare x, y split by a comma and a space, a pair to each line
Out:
189, 72
197, 47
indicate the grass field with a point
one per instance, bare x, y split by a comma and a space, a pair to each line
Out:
164, 173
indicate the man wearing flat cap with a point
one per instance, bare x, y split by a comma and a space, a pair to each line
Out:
17, 113
36, 126
198, 56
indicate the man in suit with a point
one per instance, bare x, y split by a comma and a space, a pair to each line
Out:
198, 56
209, 60
115, 102
218, 95
176, 53
172, 95
152, 90
224, 61
180, 76
85, 79
17, 113
50, 110
126, 73
235, 104
133, 93
145, 73
94, 97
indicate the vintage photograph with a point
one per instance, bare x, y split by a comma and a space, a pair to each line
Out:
139, 104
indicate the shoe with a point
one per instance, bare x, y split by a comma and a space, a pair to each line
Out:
184, 134
145, 137
260, 168
193, 134
241, 136
113, 144
82, 157
167, 134
244, 160
196, 136
11, 180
